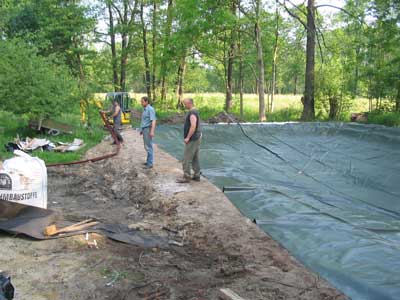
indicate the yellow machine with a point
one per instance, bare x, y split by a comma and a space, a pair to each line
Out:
124, 102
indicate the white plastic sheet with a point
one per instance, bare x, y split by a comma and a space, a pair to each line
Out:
23, 179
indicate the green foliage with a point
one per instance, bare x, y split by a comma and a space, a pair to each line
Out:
32, 84
360, 51
287, 108
57, 27
14, 125
384, 118
333, 92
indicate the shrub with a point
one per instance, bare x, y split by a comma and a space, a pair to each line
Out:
33, 84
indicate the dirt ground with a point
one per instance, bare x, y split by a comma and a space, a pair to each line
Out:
215, 246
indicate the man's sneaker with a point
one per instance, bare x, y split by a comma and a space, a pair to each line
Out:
196, 178
148, 167
183, 180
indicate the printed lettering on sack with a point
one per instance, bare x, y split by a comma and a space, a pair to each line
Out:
5, 182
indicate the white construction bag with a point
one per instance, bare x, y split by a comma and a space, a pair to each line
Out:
23, 179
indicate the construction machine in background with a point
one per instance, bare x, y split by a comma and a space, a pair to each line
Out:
123, 99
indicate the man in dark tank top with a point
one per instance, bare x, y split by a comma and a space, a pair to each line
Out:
192, 139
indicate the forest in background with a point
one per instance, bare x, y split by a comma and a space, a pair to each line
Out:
56, 54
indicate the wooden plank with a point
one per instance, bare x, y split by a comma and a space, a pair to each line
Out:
228, 294
52, 229
50, 124
53, 124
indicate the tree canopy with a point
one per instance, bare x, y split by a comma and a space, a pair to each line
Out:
54, 51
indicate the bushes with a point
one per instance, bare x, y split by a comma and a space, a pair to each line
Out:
384, 118
34, 84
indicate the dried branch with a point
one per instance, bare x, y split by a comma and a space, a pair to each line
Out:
292, 13
120, 17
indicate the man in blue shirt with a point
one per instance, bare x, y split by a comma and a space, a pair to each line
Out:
147, 128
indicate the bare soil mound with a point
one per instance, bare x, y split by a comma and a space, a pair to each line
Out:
223, 117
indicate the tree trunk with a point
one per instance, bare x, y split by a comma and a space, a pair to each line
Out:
358, 51
274, 60
357, 71
398, 97
309, 106
145, 53
240, 83
260, 65
124, 48
179, 83
231, 55
154, 41
228, 99
241, 88
268, 93
295, 85
167, 34
333, 107
113, 48
84, 102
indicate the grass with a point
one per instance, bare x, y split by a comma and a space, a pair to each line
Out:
286, 107
12, 125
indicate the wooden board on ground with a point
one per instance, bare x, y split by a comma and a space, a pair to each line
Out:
50, 124
228, 294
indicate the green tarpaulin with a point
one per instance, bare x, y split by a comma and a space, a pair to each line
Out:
329, 192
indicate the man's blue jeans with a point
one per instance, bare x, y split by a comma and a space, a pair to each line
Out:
148, 145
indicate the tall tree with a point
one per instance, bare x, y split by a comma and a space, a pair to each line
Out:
166, 50
260, 63
145, 51
274, 59
121, 16
154, 50
111, 33
231, 60
309, 100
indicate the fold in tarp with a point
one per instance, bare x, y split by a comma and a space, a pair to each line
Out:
18, 219
331, 195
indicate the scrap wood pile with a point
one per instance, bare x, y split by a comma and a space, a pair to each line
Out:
42, 224
31, 144
359, 117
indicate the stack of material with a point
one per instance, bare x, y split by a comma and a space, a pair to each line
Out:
70, 147
33, 144
29, 144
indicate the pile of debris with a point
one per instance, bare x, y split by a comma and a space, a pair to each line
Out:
31, 144
223, 117
359, 117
